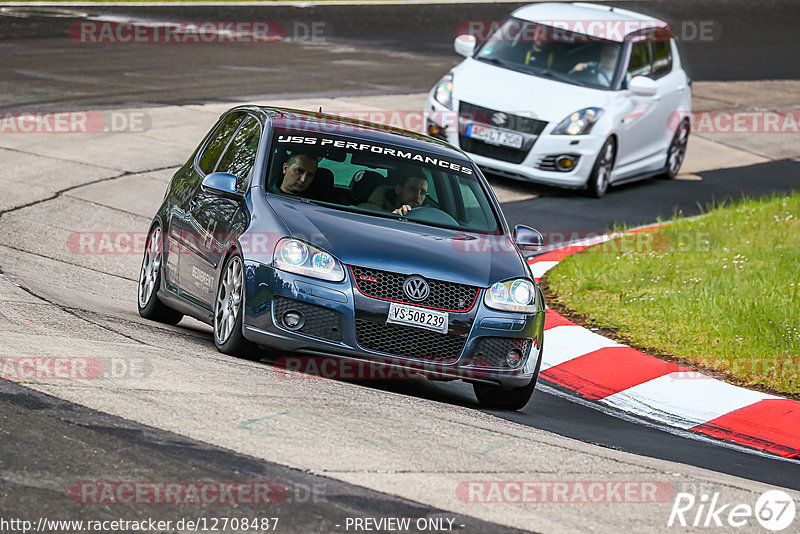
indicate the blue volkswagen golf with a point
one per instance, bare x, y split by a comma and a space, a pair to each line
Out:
323, 236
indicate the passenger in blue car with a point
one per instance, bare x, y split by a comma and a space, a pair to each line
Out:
298, 173
398, 199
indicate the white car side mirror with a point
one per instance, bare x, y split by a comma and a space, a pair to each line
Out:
465, 45
643, 86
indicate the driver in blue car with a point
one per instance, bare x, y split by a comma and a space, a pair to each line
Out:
603, 69
298, 174
398, 199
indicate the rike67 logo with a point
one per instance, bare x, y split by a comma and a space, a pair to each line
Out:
774, 510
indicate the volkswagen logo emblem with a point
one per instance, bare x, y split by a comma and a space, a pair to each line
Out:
416, 288
499, 118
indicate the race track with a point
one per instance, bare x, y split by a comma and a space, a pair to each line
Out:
175, 409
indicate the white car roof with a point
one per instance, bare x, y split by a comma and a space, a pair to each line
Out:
603, 22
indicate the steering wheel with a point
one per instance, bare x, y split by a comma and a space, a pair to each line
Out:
590, 74
431, 215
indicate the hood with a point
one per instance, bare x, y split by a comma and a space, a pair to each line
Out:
494, 87
404, 247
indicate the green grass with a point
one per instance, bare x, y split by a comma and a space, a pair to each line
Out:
720, 290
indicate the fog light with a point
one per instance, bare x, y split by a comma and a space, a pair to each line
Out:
565, 163
434, 130
293, 320
513, 357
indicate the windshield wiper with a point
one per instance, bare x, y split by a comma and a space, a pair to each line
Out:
495, 61
547, 73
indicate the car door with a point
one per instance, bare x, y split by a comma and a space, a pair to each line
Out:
641, 128
672, 87
219, 219
184, 236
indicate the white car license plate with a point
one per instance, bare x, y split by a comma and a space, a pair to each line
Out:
494, 136
418, 317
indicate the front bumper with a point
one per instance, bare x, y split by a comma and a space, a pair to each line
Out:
530, 168
339, 308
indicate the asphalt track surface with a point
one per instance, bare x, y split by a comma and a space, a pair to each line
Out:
46, 440
362, 50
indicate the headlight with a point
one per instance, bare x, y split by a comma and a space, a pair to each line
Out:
514, 295
444, 91
578, 123
297, 257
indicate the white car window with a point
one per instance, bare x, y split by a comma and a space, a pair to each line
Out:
549, 52
640, 63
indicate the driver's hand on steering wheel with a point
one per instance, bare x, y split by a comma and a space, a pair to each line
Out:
578, 68
402, 210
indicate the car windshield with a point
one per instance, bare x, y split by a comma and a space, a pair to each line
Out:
553, 52
373, 178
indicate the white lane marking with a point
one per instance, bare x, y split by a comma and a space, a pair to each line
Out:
638, 420
12, 11
565, 343
539, 268
684, 399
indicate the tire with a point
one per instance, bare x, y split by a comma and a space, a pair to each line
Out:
676, 151
229, 312
504, 399
599, 180
150, 280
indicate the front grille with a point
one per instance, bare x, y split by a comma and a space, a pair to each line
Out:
502, 153
472, 113
387, 285
491, 351
320, 322
530, 128
410, 342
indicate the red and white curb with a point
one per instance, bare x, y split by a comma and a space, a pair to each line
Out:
622, 378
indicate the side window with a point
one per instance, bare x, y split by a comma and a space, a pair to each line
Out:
240, 156
217, 141
662, 58
639, 64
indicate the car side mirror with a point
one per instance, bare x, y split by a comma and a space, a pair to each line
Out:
223, 184
465, 45
642, 86
527, 238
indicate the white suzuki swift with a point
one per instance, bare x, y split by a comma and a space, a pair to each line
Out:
570, 95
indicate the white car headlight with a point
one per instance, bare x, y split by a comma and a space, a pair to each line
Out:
295, 256
444, 91
578, 123
513, 295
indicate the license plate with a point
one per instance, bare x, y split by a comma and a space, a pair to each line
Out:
494, 136
418, 317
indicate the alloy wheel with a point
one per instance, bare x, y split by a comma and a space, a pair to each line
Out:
229, 300
150, 267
